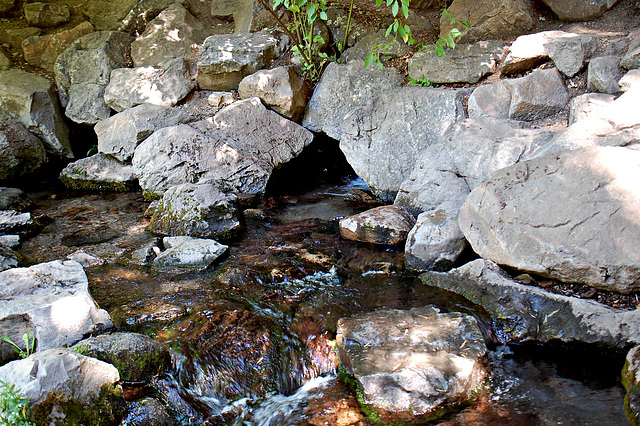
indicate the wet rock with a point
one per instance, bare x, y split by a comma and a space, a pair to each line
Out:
21, 153
467, 63
107, 15
83, 71
280, 89
30, 99
588, 105
528, 51
436, 241
366, 45
522, 313
631, 381
631, 59
157, 44
42, 51
570, 52
237, 148
120, 134
14, 199
71, 388
13, 222
100, 172
630, 79
381, 225
197, 210
137, 357
188, 252
411, 364
355, 85
537, 95
383, 138
467, 154
166, 85
491, 100
95, 234
579, 10
603, 74
55, 299
45, 15
148, 412
516, 217
5, 62
226, 59
489, 20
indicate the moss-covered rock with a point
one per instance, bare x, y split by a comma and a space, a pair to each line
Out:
99, 172
631, 382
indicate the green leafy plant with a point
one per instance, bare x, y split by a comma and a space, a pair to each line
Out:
29, 344
419, 82
14, 406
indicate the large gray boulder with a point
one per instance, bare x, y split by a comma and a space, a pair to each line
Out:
237, 148
570, 52
492, 100
342, 88
409, 364
631, 59
527, 313
120, 134
174, 33
83, 70
189, 252
226, 59
381, 225
579, 10
383, 138
21, 153
197, 210
537, 95
67, 388
603, 74
528, 51
165, 85
282, 89
42, 51
30, 99
99, 172
467, 63
567, 216
489, 20
53, 300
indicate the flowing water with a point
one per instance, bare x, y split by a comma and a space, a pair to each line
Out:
252, 337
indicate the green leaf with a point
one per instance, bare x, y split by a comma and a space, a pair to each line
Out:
455, 33
444, 13
452, 20
396, 24
405, 9
394, 8
379, 64
369, 59
389, 2
311, 11
318, 39
379, 3
388, 31
439, 50
323, 16
466, 24
401, 32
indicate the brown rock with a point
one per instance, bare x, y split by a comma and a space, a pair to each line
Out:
42, 51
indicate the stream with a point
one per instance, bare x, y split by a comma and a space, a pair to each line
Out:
252, 337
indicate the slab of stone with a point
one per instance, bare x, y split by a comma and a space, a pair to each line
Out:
238, 148
603, 74
13, 222
491, 100
54, 298
14, 199
588, 105
189, 252
383, 138
197, 210
30, 99
62, 384
356, 85
100, 172
387, 225
467, 63
174, 33
631, 59
120, 134
226, 59
565, 216
282, 89
21, 153
11, 241
489, 20
42, 51
165, 85
537, 95
630, 79
410, 363
528, 51
46, 15
570, 52
522, 313
579, 10
83, 70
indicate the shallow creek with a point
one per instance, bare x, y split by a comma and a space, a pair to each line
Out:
252, 337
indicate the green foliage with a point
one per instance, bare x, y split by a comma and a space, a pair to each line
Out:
419, 82
14, 406
29, 344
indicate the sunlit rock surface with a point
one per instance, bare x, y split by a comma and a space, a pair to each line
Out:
381, 225
188, 252
99, 172
570, 52
528, 51
411, 363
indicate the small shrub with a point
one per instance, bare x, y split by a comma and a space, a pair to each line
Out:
14, 406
